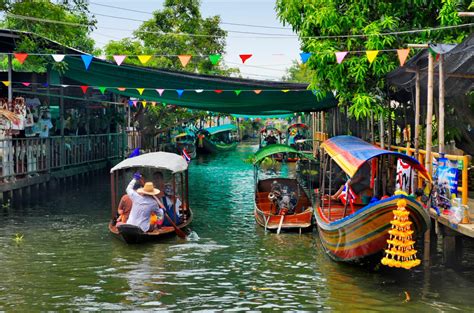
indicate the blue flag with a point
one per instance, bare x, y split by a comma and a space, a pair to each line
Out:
134, 153
87, 59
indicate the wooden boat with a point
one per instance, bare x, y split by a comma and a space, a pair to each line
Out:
185, 141
163, 165
217, 139
266, 212
295, 132
353, 233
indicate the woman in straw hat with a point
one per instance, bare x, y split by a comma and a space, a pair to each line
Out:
144, 204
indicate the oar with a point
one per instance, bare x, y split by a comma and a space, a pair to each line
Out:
178, 231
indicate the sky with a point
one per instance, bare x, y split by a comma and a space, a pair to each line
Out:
271, 56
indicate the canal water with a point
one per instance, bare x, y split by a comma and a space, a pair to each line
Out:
67, 260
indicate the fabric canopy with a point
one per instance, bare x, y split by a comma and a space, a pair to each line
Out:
222, 128
159, 160
271, 100
274, 149
350, 153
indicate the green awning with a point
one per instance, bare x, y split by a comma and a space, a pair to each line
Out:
222, 128
270, 101
274, 149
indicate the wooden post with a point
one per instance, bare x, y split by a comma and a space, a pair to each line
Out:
429, 135
372, 126
441, 147
417, 114
10, 85
323, 117
381, 132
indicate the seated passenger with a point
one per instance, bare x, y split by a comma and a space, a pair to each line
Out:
144, 203
125, 206
172, 208
271, 139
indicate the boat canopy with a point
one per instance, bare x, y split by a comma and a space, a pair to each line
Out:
298, 125
266, 128
159, 160
274, 149
221, 128
350, 153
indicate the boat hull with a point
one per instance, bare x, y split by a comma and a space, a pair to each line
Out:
365, 232
133, 235
209, 146
301, 220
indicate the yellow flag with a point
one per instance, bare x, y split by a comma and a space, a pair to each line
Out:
144, 104
144, 58
6, 82
371, 55
140, 90
285, 90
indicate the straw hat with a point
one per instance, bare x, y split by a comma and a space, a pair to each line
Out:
148, 189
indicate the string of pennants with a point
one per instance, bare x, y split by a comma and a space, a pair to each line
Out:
160, 91
214, 58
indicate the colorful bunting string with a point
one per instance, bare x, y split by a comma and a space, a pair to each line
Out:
58, 57
87, 59
340, 56
184, 59
144, 59
371, 55
84, 88
180, 92
140, 90
402, 55
245, 57
160, 91
214, 58
119, 59
304, 57
21, 57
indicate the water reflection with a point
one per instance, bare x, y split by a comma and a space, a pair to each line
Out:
68, 261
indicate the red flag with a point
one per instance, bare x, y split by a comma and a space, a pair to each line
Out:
245, 57
84, 89
21, 57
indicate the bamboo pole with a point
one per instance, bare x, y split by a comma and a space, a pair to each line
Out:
381, 132
429, 135
417, 114
372, 126
441, 147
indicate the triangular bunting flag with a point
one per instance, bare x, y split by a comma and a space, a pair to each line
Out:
140, 90
180, 92
160, 91
134, 103
45, 85
84, 88
214, 58
144, 104
119, 59
199, 90
130, 102
237, 92
102, 89
340, 56
402, 55
371, 55
153, 103
6, 82
304, 56
87, 59
257, 91
144, 58
121, 88
245, 57
26, 84
218, 91
285, 90
58, 57
21, 57
184, 58
64, 86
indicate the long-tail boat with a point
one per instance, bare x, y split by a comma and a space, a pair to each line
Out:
356, 230
295, 137
268, 211
217, 138
157, 167
185, 142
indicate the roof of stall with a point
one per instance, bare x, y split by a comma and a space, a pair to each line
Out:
458, 67
350, 153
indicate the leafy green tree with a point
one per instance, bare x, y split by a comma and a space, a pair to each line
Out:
75, 11
298, 73
358, 83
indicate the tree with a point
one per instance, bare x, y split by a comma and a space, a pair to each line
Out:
298, 73
75, 11
359, 84
166, 34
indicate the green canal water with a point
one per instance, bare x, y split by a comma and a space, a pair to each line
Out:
67, 260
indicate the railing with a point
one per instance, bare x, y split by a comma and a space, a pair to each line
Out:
30, 156
463, 183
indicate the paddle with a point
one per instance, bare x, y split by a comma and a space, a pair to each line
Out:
178, 231
279, 226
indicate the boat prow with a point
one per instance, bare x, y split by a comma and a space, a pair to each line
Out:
365, 232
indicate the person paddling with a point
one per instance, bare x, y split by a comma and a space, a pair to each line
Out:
144, 204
